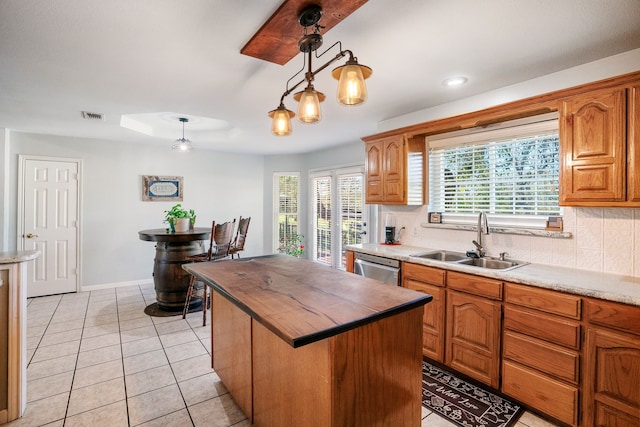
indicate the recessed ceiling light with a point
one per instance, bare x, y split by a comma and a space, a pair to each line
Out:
455, 81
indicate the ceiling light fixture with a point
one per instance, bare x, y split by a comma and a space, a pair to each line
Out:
182, 144
351, 87
455, 81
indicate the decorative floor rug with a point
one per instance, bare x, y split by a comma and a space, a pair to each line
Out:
463, 403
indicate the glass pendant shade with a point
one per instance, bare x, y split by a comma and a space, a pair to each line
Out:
309, 105
351, 87
281, 125
182, 144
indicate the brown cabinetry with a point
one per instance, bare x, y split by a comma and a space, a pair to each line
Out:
394, 171
598, 147
473, 326
430, 281
612, 374
541, 350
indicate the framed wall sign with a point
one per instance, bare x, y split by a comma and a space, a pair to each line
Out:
161, 188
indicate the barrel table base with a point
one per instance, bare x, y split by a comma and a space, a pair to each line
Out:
170, 280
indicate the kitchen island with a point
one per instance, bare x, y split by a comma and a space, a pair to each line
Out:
298, 343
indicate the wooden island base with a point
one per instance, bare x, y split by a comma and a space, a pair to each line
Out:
359, 373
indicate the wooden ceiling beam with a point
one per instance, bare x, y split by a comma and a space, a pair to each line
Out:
277, 40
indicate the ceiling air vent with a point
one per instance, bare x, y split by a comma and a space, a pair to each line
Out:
92, 116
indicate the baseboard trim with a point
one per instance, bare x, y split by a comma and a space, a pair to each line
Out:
115, 285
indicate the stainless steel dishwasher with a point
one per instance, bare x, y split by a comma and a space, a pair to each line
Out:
386, 270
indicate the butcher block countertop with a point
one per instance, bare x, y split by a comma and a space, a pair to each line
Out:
302, 301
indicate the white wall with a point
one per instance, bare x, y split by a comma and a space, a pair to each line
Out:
218, 186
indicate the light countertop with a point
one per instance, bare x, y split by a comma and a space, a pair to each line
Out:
12, 257
606, 286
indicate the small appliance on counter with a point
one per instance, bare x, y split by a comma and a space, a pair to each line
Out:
390, 230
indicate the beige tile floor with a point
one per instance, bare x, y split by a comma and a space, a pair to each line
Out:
96, 359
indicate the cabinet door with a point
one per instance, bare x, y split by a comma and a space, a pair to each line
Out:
374, 165
394, 169
633, 146
611, 384
473, 336
433, 319
593, 147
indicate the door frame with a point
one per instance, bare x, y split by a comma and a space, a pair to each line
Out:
22, 159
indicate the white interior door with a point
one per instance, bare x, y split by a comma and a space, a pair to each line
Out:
49, 223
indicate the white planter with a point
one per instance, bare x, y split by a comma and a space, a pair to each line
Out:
181, 225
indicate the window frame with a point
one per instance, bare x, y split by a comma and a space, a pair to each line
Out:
501, 131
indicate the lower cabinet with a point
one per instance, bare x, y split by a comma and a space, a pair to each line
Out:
430, 281
573, 358
473, 327
541, 350
612, 374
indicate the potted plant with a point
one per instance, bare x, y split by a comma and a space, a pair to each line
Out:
179, 219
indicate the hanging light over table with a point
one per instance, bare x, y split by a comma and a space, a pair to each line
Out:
182, 144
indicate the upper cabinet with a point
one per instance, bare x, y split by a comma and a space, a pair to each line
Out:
599, 143
395, 171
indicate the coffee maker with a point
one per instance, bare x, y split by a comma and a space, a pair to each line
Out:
390, 230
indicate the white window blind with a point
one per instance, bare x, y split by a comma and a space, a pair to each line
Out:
322, 219
510, 171
286, 188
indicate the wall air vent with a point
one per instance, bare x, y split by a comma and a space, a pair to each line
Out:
92, 116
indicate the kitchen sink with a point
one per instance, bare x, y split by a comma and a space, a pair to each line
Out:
461, 258
491, 263
442, 256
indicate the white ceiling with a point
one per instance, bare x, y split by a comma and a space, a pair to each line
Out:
182, 58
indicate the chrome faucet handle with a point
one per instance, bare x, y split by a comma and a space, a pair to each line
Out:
479, 249
503, 255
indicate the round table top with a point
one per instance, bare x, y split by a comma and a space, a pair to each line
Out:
161, 235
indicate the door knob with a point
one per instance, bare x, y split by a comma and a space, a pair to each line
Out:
31, 236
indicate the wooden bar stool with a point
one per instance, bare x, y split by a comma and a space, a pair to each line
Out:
219, 244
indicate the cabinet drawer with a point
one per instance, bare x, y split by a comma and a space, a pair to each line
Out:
542, 299
548, 328
548, 358
476, 285
614, 315
547, 395
433, 276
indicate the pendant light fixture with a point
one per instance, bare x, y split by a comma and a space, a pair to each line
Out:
351, 86
182, 144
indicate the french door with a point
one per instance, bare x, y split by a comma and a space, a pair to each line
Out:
339, 216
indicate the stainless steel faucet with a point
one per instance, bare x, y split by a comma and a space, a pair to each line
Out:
483, 227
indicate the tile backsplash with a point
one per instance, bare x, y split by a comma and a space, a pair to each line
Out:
603, 239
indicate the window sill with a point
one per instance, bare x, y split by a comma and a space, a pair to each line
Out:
503, 230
